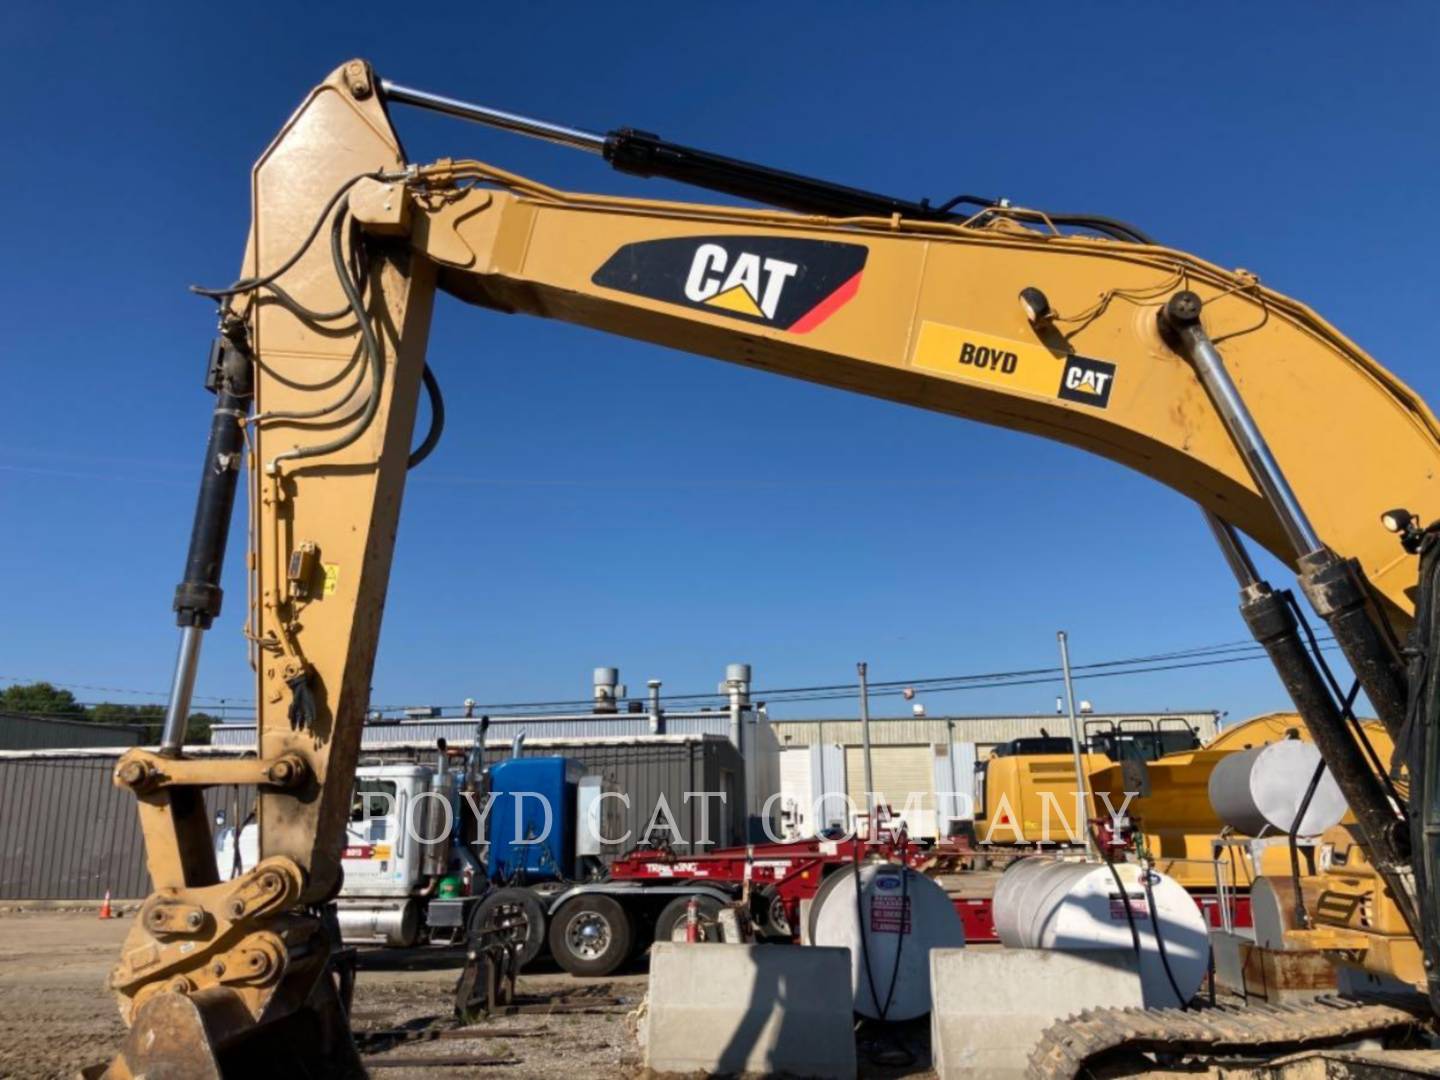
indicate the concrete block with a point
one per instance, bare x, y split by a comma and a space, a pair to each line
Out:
1229, 951
990, 1005
750, 1009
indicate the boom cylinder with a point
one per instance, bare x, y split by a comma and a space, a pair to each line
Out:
1334, 586
1271, 620
198, 596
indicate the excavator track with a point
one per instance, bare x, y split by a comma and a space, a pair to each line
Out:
1069, 1048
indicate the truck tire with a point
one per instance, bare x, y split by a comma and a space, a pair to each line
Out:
590, 936
670, 926
515, 915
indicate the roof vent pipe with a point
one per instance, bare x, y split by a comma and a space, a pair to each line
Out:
736, 688
607, 681
657, 720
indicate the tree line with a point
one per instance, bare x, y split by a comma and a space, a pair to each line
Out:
45, 700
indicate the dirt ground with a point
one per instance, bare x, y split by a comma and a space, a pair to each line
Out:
56, 1015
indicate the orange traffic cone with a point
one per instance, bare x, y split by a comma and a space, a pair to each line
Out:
105, 911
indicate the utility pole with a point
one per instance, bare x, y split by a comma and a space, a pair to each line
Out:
862, 668
1082, 789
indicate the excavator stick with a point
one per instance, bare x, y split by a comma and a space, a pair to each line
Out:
236, 978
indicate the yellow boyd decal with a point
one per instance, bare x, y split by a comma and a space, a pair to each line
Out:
332, 578
964, 354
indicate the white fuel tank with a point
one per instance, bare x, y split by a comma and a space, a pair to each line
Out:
903, 913
1053, 904
1258, 791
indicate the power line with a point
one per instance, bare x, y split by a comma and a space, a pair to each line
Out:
18, 679
1199, 656
1202, 656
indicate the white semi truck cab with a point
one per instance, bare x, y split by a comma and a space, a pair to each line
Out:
426, 843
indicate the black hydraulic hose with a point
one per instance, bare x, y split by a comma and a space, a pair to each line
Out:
369, 343
884, 1010
437, 419
1301, 915
1347, 702
1160, 938
899, 939
860, 928
950, 204
1155, 927
309, 314
1129, 915
360, 271
244, 285
1119, 230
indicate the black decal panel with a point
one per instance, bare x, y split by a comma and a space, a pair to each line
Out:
786, 282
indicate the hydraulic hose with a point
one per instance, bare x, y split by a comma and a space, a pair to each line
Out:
1160, 938
437, 419
369, 343
250, 284
1301, 915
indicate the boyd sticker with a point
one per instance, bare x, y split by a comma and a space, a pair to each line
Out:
1023, 366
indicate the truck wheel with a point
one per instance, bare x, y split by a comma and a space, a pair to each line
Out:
670, 926
516, 917
590, 936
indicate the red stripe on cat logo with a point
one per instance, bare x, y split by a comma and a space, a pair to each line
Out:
827, 307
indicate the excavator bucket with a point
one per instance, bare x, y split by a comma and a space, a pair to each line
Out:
209, 1035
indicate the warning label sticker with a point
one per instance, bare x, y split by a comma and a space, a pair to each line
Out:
1138, 908
890, 914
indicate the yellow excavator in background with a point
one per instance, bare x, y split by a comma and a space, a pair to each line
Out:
1148, 791
1026, 792
1073, 327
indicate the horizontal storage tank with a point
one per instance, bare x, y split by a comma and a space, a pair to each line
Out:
1258, 792
1054, 904
900, 912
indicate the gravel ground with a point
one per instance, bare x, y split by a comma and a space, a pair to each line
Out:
56, 1014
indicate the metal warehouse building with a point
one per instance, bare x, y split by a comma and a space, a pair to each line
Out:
744, 725
72, 835
923, 761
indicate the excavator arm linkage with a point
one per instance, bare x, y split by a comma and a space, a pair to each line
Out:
1000, 318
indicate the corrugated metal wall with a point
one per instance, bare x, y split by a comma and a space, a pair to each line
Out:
70, 834
902, 779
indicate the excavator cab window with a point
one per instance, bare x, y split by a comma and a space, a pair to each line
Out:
1036, 744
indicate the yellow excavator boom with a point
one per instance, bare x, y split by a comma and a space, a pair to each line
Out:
1004, 318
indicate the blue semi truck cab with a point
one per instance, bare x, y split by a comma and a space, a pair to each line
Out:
434, 852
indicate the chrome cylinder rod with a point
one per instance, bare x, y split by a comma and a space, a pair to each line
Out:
182, 689
497, 118
1236, 557
1180, 318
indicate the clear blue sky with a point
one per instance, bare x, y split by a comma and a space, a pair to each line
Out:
600, 501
